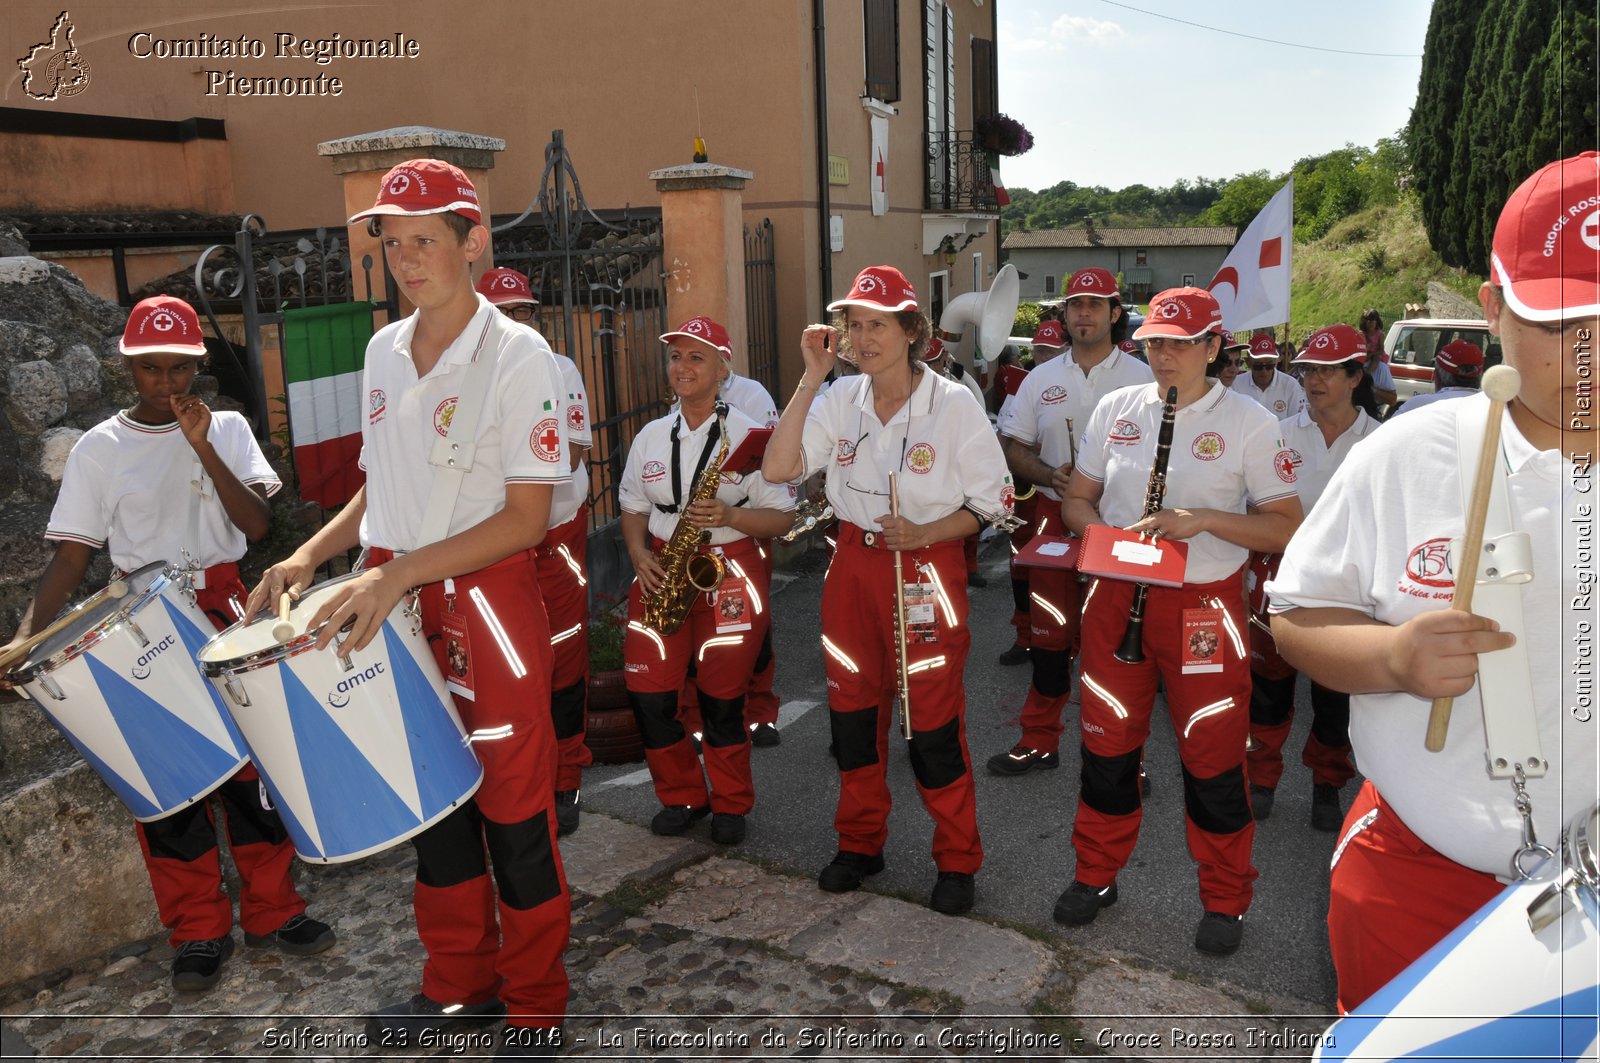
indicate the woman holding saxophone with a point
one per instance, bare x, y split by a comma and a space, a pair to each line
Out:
1222, 482
912, 468
683, 519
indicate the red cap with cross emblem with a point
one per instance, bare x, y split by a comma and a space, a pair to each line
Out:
425, 186
1546, 255
1049, 335
1262, 349
1229, 343
1332, 346
933, 349
705, 330
506, 287
163, 324
879, 288
1092, 281
1460, 357
1182, 313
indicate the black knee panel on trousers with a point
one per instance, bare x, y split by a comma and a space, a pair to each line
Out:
1111, 784
1330, 721
186, 834
1052, 671
936, 758
1019, 595
249, 821
524, 863
1271, 700
1217, 805
764, 655
451, 851
567, 707
855, 737
723, 719
657, 717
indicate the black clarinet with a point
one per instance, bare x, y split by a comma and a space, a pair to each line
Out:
1132, 649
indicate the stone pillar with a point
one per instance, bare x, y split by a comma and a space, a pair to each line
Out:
702, 236
363, 159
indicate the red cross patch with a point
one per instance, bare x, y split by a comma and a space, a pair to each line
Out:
546, 440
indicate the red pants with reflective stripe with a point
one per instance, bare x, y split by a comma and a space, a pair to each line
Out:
1392, 898
1054, 611
187, 884
1209, 712
723, 658
1027, 510
472, 954
563, 582
760, 703
858, 600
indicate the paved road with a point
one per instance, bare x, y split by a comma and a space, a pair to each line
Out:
1026, 822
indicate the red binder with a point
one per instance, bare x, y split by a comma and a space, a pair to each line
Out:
1050, 551
1120, 554
746, 457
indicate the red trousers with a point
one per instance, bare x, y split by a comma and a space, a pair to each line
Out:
1027, 510
1392, 898
562, 580
722, 636
858, 640
1054, 611
180, 850
1209, 712
506, 936
760, 703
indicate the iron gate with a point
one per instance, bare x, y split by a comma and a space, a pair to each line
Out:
761, 304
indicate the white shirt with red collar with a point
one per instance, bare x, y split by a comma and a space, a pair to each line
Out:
1226, 452
939, 442
1058, 391
1284, 397
569, 497
1379, 542
1314, 459
521, 435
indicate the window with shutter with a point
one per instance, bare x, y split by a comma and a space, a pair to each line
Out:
881, 20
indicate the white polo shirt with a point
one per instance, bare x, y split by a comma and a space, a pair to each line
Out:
569, 497
1225, 453
1059, 390
127, 487
751, 399
1284, 397
1314, 460
939, 442
646, 483
1379, 543
521, 436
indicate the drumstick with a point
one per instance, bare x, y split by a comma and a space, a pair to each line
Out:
116, 589
283, 630
1501, 383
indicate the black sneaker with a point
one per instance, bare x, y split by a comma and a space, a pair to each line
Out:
764, 735
1022, 760
952, 893
1014, 656
1261, 798
1325, 812
567, 812
1081, 902
405, 1022
198, 964
675, 819
1219, 934
300, 935
530, 1042
727, 828
848, 870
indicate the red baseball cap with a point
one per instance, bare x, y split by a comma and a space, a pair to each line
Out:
1092, 281
1128, 346
1182, 313
1262, 348
705, 330
163, 324
1231, 344
505, 287
879, 288
1333, 345
1546, 255
425, 186
1460, 357
1049, 335
933, 349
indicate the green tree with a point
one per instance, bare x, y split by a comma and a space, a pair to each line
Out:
1242, 198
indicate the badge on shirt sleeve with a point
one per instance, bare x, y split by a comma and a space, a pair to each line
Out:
1202, 641
545, 441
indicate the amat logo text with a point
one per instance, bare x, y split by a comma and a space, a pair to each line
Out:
339, 696
141, 667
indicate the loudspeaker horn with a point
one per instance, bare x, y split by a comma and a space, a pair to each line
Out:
993, 312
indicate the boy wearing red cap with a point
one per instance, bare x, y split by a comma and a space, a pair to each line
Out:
1361, 604
122, 481
493, 946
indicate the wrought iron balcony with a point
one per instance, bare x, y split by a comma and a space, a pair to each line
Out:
957, 178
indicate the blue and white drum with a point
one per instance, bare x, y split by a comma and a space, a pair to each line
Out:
122, 685
358, 752
1518, 980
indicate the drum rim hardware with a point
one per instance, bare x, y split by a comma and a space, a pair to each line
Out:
279, 651
31, 670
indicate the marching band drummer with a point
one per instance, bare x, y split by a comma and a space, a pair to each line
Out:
899, 418
725, 628
1225, 456
124, 481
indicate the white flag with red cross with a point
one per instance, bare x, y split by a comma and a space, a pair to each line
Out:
1252, 287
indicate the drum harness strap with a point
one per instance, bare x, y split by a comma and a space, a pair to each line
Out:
453, 453
1505, 684
200, 491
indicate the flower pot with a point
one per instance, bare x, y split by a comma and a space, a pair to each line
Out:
611, 734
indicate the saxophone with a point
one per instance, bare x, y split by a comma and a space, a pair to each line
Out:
688, 572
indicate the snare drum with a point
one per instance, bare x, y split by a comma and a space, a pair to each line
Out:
122, 686
358, 752
1518, 980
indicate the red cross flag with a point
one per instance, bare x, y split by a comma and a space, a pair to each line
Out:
1252, 287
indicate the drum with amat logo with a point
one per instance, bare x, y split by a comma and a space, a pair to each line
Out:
122, 685
358, 752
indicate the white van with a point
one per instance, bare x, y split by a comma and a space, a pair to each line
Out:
1411, 346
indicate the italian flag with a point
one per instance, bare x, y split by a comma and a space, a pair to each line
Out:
323, 350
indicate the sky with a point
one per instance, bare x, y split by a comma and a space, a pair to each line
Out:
1118, 93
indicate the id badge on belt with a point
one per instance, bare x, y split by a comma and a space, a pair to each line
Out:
457, 646
734, 609
1202, 641
922, 624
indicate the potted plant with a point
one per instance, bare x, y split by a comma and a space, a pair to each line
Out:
611, 734
1003, 135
